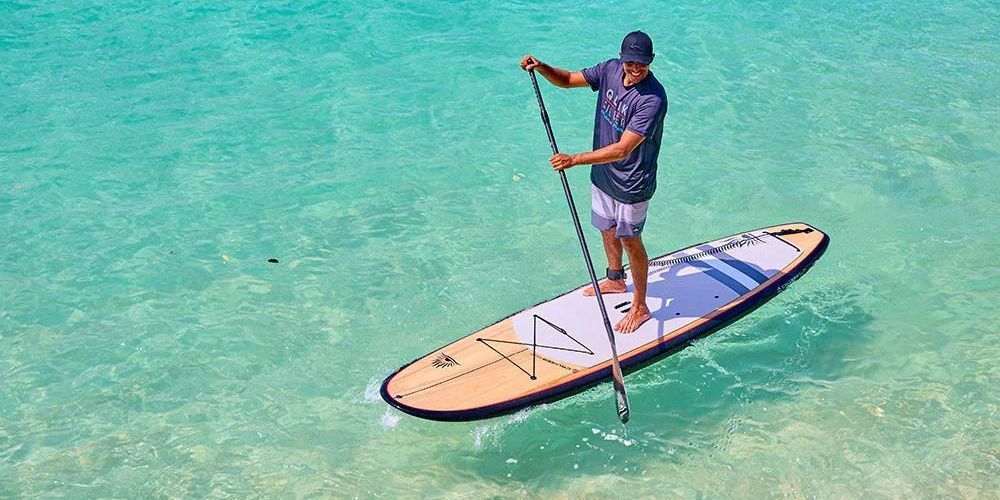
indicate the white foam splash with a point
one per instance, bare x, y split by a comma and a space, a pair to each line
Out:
493, 431
482, 431
611, 436
372, 392
390, 419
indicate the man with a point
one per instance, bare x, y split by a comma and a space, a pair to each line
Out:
631, 105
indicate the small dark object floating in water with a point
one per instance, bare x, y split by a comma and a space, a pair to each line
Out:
273, 261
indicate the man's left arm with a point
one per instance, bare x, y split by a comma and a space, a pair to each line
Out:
642, 124
613, 152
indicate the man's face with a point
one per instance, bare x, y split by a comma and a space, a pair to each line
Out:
636, 71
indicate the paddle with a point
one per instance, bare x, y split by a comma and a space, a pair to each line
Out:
616, 369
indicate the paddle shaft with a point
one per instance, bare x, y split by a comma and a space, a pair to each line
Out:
616, 370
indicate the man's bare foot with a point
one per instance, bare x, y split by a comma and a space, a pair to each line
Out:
607, 286
634, 319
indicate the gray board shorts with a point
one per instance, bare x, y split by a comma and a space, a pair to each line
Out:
607, 212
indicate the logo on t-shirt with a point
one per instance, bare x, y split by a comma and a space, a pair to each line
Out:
614, 112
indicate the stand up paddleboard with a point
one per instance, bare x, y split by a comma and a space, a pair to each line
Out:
559, 347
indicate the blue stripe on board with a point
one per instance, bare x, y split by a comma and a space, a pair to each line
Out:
738, 264
720, 276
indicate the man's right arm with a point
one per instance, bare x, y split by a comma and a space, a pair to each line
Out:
556, 76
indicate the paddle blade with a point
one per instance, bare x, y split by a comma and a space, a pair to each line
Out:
620, 396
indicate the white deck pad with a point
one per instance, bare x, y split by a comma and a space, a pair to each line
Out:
570, 326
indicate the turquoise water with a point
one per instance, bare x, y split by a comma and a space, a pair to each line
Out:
154, 156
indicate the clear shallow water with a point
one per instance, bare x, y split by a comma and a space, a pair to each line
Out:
152, 158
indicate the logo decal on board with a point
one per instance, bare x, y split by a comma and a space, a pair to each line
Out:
444, 361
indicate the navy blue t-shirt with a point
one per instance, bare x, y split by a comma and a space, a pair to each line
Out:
639, 108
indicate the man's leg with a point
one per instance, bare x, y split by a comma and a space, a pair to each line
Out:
613, 249
603, 215
639, 263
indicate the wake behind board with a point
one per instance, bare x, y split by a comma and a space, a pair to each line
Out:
559, 347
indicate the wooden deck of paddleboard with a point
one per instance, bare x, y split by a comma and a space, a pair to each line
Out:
495, 370
487, 375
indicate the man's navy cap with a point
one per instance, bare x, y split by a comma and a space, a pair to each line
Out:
637, 47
